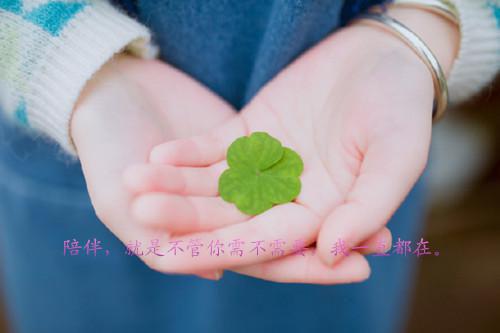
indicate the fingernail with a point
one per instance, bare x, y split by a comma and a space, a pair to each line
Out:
213, 276
218, 275
155, 156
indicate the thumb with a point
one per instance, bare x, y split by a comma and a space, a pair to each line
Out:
201, 150
391, 165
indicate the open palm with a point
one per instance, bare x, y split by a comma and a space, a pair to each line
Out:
359, 114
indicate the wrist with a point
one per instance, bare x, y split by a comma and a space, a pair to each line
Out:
99, 96
440, 34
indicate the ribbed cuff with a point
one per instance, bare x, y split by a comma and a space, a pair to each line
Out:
88, 42
478, 59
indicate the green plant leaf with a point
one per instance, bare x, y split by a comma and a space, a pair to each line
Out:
261, 173
259, 151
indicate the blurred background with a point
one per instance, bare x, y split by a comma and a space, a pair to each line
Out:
460, 291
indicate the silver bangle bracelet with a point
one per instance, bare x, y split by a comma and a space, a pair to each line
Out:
423, 52
444, 8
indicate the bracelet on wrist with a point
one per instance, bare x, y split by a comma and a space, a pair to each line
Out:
420, 49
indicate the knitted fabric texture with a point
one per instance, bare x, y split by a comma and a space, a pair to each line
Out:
49, 50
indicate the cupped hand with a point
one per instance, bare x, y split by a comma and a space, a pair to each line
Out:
130, 106
357, 108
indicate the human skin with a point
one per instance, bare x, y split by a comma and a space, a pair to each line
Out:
130, 106
348, 107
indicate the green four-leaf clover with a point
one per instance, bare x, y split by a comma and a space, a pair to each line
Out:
262, 173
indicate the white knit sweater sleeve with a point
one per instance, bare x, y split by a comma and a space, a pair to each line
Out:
50, 49
478, 60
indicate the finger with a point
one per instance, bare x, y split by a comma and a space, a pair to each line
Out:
184, 214
211, 275
309, 268
202, 181
200, 150
380, 242
283, 224
389, 170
